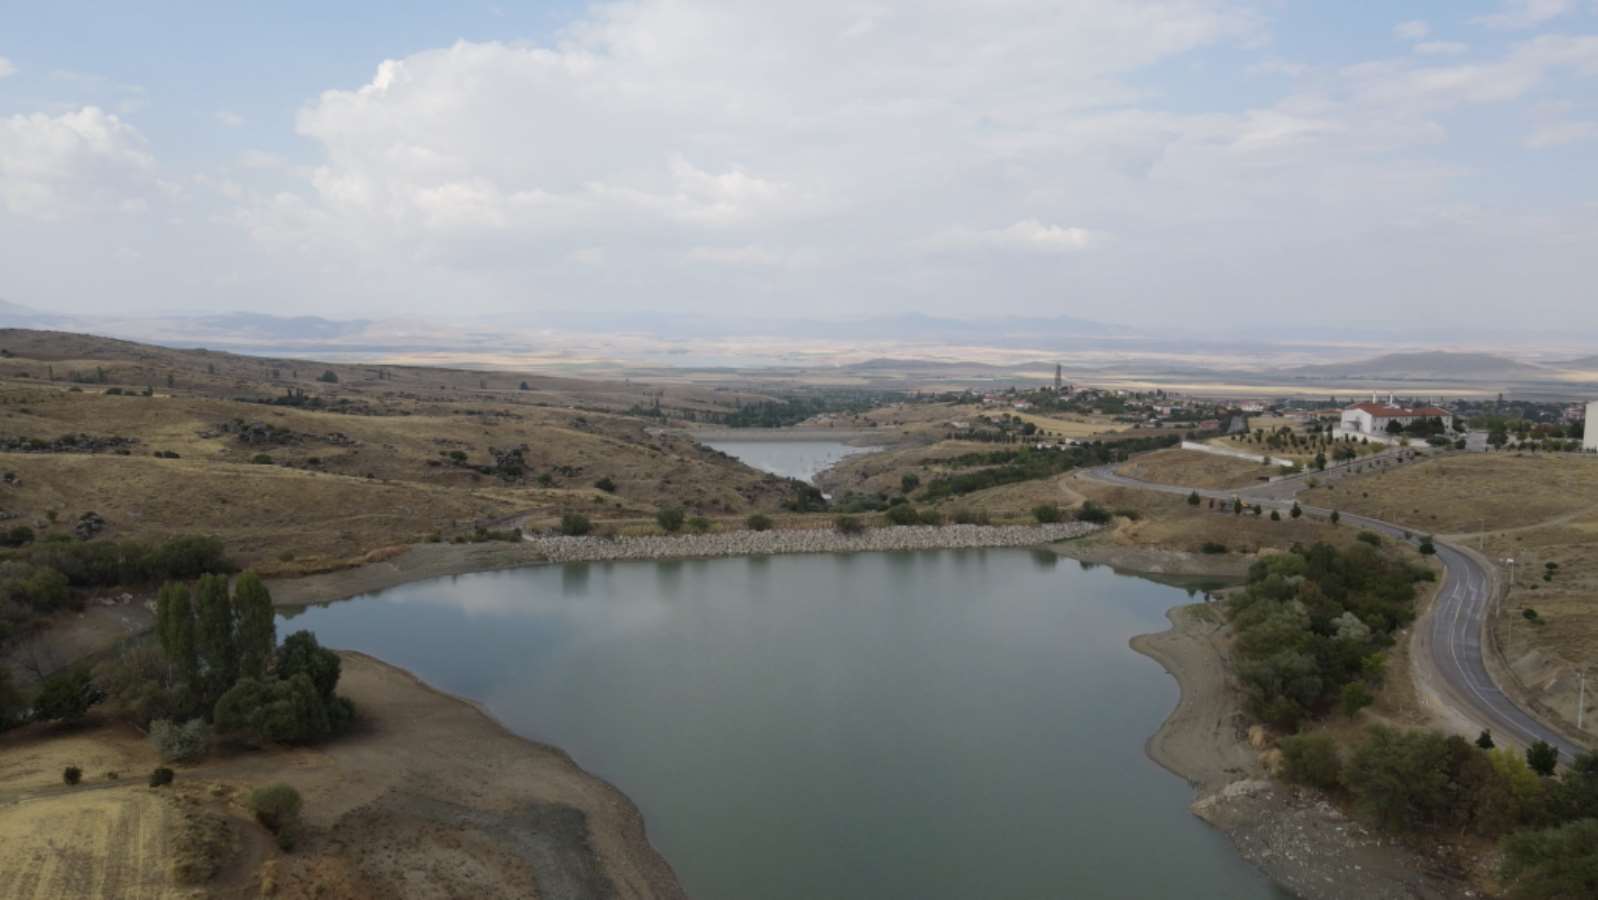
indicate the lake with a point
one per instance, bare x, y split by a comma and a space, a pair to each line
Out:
941, 724
790, 459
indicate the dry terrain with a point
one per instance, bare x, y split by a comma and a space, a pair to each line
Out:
428, 798
1195, 469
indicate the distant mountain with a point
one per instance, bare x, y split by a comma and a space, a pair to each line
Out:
1585, 363
17, 315
1425, 365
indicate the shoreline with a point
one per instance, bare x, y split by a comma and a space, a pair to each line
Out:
424, 561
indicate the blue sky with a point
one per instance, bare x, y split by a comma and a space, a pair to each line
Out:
1144, 161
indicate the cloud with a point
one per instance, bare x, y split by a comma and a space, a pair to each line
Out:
1441, 48
54, 166
1559, 134
7, 67
1412, 30
229, 119
1522, 14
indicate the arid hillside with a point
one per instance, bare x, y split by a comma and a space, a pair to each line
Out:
301, 465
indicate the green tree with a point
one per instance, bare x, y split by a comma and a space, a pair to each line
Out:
758, 522
1046, 513
670, 518
1485, 740
1311, 759
300, 654
276, 807
1355, 697
12, 705
1296, 511
575, 524
1403, 779
1543, 758
175, 627
66, 696
257, 626
1555, 863
909, 482
1193, 499
215, 631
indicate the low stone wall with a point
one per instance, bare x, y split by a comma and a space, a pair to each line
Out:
745, 543
1235, 454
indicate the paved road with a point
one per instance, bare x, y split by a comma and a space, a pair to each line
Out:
1458, 619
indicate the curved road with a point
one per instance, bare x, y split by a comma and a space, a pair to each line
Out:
1458, 619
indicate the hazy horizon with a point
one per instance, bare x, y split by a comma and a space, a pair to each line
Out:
1419, 170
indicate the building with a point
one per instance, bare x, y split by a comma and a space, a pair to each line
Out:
1589, 438
1375, 418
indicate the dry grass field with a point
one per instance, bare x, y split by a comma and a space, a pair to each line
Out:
383, 456
1465, 494
1201, 470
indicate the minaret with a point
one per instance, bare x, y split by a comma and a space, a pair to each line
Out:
1058, 372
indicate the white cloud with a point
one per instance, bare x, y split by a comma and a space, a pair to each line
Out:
1412, 30
1558, 134
1520, 14
7, 67
54, 166
229, 119
1441, 48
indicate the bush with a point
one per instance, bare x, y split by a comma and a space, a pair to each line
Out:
848, 525
903, 514
66, 697
71, 775
180, 743
1276, 516
574, 524
1193, 499
328, 377
161, 776
1046, 513
1427, 548
276, 807
932, 517
261, 459
1092, 512
1553, 863
1543, 758
1355, 697
670, 518
1370, 537
909, 482
758, 522
970, 517
606, 484
1311, 759
1213, 548
698, 524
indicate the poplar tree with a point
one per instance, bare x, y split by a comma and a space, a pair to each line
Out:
257, 630
218, 649
175, 626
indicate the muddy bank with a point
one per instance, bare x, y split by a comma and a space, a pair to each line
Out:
1297, 838
1149, 560
437, 560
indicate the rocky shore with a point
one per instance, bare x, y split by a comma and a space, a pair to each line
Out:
557, 548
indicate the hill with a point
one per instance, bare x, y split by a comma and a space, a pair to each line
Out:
1426, 365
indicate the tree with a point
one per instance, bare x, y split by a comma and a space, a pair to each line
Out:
1404, 779
1296, 511
606, 484
276, 807
848, 525
1276, 516
257, 626
1335, 517
180, 743
1543, 758
1320, 461
758, 522
1046, 513
66, 697
1193, 499
300, 654
12, 706
575, 524
524, 387
1554, 863
909, 482
217, 641
329, 377
1485, 740
670, 518
1355, 697
1311, 759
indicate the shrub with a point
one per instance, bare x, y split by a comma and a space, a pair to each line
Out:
276, 807
262, 459
71, 775
1046, 513
1311, 759
1276, 516
758, 522
1427, 548
1553, 863
1296, 511
970, 517
1355, 697
1092, 512
1193, 499
670, 518
1485, 740
180, 743
328, 377
66, 697
574, 524
161, 776
903, 514
1213, 548
606, 484
848, 525
1370, 537
931, 517
909, 482
698, 524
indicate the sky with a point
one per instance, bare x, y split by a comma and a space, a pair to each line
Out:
1179, 164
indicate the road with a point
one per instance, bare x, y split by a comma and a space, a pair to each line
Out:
1457, 622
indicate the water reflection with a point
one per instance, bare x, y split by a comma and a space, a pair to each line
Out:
929, 725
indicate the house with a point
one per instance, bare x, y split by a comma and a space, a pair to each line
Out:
1375, 418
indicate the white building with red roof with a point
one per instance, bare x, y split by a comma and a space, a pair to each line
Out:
1375, 418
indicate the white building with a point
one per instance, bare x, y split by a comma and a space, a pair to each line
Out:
1375, 418
1589, 438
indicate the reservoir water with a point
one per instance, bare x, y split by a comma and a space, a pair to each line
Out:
942, 724
790, 459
